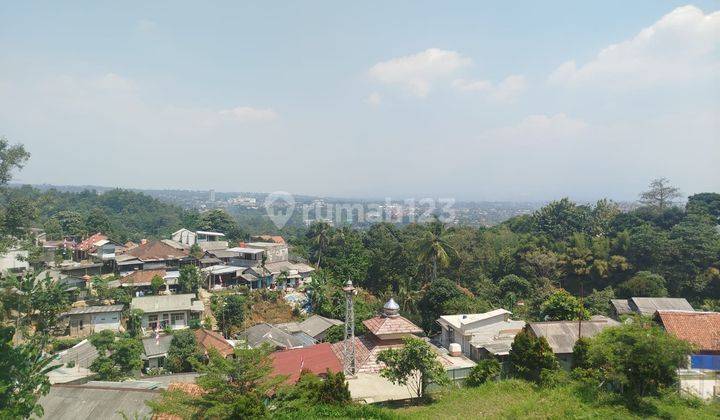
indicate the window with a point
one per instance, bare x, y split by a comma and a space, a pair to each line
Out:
178, 319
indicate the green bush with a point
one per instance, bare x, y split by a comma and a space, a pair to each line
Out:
485, 370
61, 344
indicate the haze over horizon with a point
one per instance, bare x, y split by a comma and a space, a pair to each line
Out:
481, 102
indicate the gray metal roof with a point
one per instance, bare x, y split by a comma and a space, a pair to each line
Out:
157, 347
562, 335
83, 354
317, 324
165, 303
265, 333
647, 306
95, 309
622, 306
91, 402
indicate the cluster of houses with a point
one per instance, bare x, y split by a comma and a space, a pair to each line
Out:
479, 336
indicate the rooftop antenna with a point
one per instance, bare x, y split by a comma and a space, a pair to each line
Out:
349, 341
581, 312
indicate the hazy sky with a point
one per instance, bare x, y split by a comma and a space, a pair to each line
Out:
472, 100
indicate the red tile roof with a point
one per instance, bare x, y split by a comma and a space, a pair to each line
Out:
207, 339
699, 328
88, 243
386, 325
317, 359
141, 277
157, 251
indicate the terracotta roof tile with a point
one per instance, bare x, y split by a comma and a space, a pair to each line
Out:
210, 339
381, 325
699, 328
157, 251
317, 359
88, 243
141, 277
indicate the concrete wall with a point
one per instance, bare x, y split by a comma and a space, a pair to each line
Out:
9, 260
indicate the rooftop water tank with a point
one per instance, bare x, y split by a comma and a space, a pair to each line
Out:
455, 350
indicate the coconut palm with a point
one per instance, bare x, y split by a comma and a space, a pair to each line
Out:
319, 235
434, 250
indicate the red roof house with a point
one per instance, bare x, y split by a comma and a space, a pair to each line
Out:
207, 339
699, 328
318, 359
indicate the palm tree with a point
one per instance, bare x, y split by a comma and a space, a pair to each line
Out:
434, 249
319, 234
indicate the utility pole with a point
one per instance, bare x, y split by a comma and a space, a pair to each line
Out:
349, 341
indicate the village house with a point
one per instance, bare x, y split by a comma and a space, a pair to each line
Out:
155, 351
562, 335
318, 359
14, 260
647, 306
260, 334
173, 311
315, 326
152, 255
702, 330
90, 319
204, 239
141, 280
480, 335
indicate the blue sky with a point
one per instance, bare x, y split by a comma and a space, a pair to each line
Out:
471, 100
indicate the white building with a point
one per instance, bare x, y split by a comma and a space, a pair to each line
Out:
204, 239
174, 311
14, 260
480, 335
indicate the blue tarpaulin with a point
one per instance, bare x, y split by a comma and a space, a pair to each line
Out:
705, 361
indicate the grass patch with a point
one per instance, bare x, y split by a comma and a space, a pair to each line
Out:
514, 399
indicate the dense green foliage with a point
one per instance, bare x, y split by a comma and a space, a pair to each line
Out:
516, 399
485, 370
190, 279
183, 352
637, 358
530, 357
119, 358
414, 365
23, 375
229, 311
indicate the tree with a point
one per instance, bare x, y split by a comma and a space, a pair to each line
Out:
71, 223
562, 306
230, 388
432, 303
529, 356
414, 365
219, 220
183, 351
704, 204
580, 353
11, 158
23, 377
196, 252
319, 235
516, 285
560, 219
134, 323
124, 359
229, 311
660, 194
434, 250
189, 279
643, 284
156, 284
639, 358
483, 371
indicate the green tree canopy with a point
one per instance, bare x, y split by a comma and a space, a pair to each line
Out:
529, 356
415, 365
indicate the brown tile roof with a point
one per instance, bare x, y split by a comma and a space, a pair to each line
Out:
317, 359
157, 251
141, 277
88, 243
191, 389
210, 339
385, 325
699, 328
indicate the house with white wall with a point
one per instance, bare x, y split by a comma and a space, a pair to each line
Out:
174, 311
480, 335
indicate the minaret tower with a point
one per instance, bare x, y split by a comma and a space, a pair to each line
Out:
349, 342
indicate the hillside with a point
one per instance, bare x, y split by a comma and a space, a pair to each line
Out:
518, 399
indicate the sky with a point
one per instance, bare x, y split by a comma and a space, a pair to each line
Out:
471, 100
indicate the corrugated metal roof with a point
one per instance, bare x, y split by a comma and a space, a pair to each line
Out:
95, 309
647, 306
317, 324
67, 402
163, 303
562, 335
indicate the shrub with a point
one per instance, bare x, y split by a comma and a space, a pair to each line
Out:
550, 378
64, 343
487, 369
529, 356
